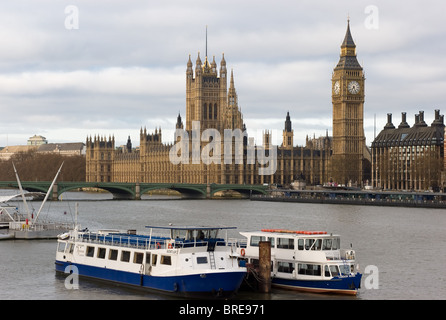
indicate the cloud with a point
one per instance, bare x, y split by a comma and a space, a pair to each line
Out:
124, 68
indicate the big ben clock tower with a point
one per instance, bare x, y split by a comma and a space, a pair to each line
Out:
348, 114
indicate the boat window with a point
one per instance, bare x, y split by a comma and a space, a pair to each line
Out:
336, 244
270, 239
286, 267
308, 243
125, 256
90, 251
300, 244
345, 269
326, 244
317, 245
327, 271
255, 240
309, 269
285, 243
154, 257
202, 260
71, 248
138, 257
148, 258
101, 253
334, 270
178, 234
255, 263
166, 260
61, 247
212, 233
113, 254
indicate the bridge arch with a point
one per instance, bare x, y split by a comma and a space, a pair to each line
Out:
125, 191
244, 189
186, 190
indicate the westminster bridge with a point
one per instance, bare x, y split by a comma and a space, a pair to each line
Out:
133, 191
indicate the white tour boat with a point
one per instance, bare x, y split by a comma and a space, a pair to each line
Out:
26, 225
305, 260
190, 261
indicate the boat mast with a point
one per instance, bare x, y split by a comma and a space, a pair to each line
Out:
21, 192
48, 193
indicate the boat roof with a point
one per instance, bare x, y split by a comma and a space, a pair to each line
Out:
4, 199
190, 227
283, 232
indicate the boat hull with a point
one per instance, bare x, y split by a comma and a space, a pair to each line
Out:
342, 285
207, 284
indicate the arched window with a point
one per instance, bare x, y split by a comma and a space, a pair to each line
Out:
215, 111
210, 111
205, 111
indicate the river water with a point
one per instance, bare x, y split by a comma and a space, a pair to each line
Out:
403, 249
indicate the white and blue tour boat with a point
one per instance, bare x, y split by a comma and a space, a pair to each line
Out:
305, 260
189, 261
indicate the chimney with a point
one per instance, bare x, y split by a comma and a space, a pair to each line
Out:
421, 122
417, 120
389, 124
438, 119
403, 123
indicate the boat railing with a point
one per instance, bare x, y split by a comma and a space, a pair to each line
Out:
146, 242
23, 226
332, 255
122, 240
238, 243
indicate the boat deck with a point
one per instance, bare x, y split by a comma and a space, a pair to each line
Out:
147, 241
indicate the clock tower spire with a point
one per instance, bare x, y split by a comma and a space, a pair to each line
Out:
348, 115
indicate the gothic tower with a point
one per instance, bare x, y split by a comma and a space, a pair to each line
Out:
206, 94
348, 113
99, 159
288, 133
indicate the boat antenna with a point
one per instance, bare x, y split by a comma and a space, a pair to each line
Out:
21, 192
48, 193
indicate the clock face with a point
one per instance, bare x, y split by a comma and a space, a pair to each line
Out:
337, 87
353, 87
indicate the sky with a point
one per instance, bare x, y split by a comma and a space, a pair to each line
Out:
72, 69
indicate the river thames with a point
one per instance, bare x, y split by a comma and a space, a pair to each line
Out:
403, 247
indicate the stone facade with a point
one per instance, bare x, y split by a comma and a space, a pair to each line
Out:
410, 158
210, 104
348, 116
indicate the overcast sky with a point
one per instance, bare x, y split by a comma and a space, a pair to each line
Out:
112, 67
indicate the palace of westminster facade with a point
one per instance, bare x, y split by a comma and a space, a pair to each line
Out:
342, 158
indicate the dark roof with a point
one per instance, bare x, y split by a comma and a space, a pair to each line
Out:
415, 136
348, 39
348, 62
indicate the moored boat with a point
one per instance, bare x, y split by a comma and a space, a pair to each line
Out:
26, 225
305, 260
189, 261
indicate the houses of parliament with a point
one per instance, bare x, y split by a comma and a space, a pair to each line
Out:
342, 158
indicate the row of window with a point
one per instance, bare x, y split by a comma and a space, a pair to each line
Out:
205, 109
302, 244
115, 254
307, 269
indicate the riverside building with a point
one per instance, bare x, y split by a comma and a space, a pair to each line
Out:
214, 105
